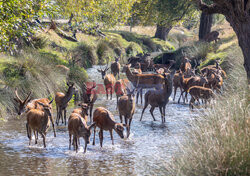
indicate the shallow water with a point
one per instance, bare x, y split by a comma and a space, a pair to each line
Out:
149, 147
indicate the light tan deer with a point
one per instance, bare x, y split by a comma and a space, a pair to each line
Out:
77, 126
105, 121
27, 104
115, 68
89, 97
109, 81
38, 121
159, 98
62, 102
126, 107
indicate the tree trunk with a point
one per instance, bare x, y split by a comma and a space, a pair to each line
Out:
162, 32
205, 25
242, 30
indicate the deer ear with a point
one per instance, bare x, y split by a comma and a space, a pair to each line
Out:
99, 70
40, 103
51, 101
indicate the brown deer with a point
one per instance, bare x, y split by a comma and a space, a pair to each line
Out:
82, 111
62, 102
115, 68
126, 107
137, 68
159, 98
198, 92
189, 82
120, 88
89, 97
38, 121
27, 104
77, 126
145, 80
105, 121
185, 66
212, 36
109, 81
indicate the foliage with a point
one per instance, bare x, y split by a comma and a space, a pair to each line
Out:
163, 12
16, 21
103, 13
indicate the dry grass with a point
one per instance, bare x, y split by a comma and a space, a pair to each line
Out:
218, 142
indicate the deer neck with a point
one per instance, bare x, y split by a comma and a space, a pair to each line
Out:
168, 88
130, 75
68, 96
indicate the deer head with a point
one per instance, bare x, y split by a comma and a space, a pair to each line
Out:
103, 72
21, 104
85, 107
46, 107
87, 90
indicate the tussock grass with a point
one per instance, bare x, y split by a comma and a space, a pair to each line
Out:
218, 141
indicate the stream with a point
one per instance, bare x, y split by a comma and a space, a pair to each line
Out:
150, 145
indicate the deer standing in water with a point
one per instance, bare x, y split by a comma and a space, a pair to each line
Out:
159, 98
115, 68
27, 104
109, 80
62, 101
89, 97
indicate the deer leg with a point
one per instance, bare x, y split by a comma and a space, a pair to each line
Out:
94, 136
128, 127
107, 93
141, 95
145, 106
164, 113
185, 97
44, 137
76, 145
85, 147
121, 118
175, 89
65, 111
160, 108
57, 115
151, 111
111, 89
90, 112
180, 96
70, 137
36, 135
192, 100
52, 121
111, 135
101, 136
137, 96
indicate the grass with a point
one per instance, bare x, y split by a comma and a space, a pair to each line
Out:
218, 141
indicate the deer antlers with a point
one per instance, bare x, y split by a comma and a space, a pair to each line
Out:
18, 99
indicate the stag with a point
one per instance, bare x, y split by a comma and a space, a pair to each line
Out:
115, 68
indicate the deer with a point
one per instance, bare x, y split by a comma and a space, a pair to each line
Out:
159, 98
62, 101
137, 68
89, 97
28, 104
198, 92
120, 88
145, 80
189, 82
212, 36
82, 111
109, 81
185, 65
126, 107
38, 121
115, 68
77, 127
105, 121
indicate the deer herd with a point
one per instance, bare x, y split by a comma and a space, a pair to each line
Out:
160, 84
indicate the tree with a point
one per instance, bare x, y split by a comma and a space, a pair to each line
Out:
206, 21
15, 21
237, 13
102, 13
163, 13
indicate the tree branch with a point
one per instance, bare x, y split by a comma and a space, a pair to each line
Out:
210, 9
184, 12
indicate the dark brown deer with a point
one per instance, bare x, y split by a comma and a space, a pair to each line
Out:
89, 97
212, 36
115, 68
62, 102
159, 98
